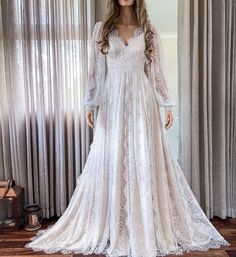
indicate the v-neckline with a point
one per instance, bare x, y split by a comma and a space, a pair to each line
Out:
127, 43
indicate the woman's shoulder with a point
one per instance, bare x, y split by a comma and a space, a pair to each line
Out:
98, 24
97, 27
154, 27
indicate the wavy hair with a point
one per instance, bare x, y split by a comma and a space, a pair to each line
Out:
112, 15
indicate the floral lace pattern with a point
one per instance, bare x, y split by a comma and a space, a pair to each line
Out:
132, 198
96, 73
95, 87
156, 73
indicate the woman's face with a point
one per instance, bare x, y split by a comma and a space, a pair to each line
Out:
126, 2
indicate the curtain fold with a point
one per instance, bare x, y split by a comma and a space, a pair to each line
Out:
207, 34
44, 139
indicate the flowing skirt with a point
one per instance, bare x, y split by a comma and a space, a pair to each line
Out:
132, 198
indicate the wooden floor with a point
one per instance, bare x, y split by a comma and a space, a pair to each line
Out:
12, 243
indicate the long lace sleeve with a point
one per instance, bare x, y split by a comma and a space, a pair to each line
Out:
157, 76
96, 72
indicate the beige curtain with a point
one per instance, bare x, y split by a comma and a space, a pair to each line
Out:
207, 68
44, 139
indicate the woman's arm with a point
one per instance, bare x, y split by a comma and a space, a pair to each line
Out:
96, 72
157, 74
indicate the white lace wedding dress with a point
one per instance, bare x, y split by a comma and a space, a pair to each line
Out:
132, 198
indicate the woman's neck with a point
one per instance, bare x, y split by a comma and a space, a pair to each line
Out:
127, 16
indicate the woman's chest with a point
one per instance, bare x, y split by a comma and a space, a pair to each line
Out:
133, 48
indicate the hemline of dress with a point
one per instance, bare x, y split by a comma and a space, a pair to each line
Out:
179, 250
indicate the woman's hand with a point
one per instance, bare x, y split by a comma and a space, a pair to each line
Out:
90, 118
169, 119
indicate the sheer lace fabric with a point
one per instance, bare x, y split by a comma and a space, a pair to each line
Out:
97, 72
157, 75
97, 69
132, 198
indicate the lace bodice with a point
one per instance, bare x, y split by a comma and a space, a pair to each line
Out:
130, 56
125, 56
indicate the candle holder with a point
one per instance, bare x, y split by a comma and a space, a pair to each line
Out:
32, 215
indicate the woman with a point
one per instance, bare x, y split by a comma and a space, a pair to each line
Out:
132, 198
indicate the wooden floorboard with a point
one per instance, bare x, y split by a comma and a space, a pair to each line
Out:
12, 243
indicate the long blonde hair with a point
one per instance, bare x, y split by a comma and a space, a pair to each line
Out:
113, 12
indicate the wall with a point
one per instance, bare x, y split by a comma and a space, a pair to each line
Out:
100, 9
163, 13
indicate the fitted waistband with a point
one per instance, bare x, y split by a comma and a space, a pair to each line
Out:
126, 68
